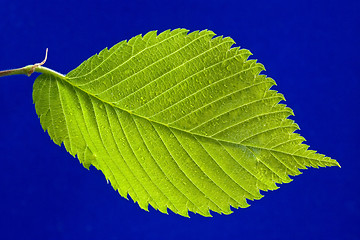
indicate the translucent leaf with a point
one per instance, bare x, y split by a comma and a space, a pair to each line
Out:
177, 120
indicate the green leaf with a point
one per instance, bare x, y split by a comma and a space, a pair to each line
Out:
180, 121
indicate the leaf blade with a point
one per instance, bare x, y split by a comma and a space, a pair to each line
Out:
178, 120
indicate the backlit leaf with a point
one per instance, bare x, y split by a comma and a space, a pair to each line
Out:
178, 120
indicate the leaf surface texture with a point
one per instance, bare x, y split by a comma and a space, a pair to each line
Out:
178, 120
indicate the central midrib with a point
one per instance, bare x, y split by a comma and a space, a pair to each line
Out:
68, 81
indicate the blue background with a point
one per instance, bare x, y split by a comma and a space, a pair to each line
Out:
311, 49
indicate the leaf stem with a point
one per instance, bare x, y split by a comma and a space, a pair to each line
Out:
45, 70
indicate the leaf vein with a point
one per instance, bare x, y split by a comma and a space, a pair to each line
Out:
198, 91
208, 197
147, 148
225, 172
247, 120
146, 48
105, 148
230, 110
65, 120
156, 79
176, 163
122, 157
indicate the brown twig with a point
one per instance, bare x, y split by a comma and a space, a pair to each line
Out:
28, 70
